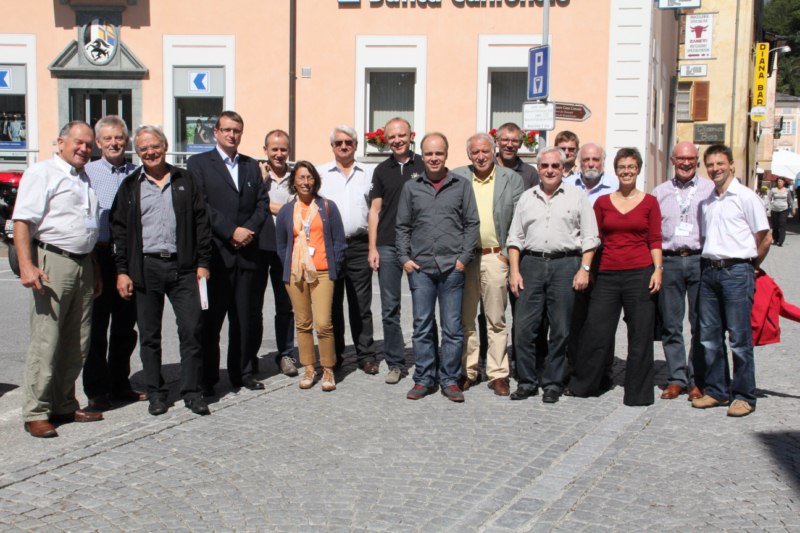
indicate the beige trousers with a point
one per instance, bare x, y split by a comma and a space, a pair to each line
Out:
312, 304
486, 280
61, 320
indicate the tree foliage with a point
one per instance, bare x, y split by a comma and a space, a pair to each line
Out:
782, 17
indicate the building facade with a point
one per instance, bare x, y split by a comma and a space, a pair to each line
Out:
455, 66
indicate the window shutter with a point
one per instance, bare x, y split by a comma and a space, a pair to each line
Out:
700, 93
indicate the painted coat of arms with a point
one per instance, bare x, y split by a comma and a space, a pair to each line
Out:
100, 41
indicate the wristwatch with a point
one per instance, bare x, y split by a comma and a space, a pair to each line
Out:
587, 268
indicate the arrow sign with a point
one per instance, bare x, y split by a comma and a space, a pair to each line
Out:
199, 81
5, 78
571, 111
678, 4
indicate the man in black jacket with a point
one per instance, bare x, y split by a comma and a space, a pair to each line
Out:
162, 246
237, 202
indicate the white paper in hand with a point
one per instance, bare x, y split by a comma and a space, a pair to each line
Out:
203, 293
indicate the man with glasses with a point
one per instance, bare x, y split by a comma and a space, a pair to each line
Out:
568, 143
106, 379
238, 205
162, 244
346, 182
509, 141
680, 199
551, 245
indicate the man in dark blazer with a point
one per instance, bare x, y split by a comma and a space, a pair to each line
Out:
237, 202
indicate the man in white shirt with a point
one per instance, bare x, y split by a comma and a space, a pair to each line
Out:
55, 230
737, 240
346, 182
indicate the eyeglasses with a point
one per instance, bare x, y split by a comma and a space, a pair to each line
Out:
509, 141
554, 166
688, 159
235, 131
346, 142
153, 147
117, 138
628, 168
568, 148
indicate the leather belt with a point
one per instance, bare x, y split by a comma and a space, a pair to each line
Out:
59, 251
723, 263
164, 256
553, 255
486, 251
683, 252
357, 238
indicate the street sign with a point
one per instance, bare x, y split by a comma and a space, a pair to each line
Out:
538, 116
694, 71
758, 113
678, 4
539, 72
571, 111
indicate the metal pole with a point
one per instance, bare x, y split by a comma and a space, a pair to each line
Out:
546, 23
292, 76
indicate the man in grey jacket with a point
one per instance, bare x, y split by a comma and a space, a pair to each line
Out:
437, 232
497, 190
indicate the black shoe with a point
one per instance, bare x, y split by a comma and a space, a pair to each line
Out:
157, 407
524, 393
568, 392
606, 384
198, 406
550, 396
208, 391
252, 384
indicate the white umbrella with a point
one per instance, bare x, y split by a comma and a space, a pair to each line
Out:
786, 164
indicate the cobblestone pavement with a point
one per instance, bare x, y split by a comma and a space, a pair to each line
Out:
364, 458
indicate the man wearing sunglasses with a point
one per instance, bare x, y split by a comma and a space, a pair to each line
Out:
347, 182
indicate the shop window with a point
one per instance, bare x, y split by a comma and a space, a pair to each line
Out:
13, 115
692, 101
194, 123
507, 94
389, 95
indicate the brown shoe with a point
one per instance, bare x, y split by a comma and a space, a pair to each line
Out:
500, 386
309, 376
128, 396
80, 415
41, 429
370, 367
695, 393
740, 408
672, 391
464, 383
328, 382
708, 401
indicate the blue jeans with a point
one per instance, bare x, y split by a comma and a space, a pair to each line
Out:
548, 287
390, 275
681, 283
726, 300
426, 290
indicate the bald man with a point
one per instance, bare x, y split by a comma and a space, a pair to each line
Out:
679, 199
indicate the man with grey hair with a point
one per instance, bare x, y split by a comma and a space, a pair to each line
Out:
108, 365
592, 160
162, 247
55, 229
346, 182
497, 190
551, 244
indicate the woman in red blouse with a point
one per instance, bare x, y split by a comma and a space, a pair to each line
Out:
629, 276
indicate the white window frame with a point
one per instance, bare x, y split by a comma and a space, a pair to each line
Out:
199, 51
498, 53
789, 126
389, 53
20, 49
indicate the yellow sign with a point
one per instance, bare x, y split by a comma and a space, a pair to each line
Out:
760, 75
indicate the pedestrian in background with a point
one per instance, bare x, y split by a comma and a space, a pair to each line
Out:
781, 203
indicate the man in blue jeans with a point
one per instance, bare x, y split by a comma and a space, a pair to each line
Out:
437, 232
387, 182
737, 240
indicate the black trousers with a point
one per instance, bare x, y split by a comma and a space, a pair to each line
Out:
271, 270
356, 281
231, 292
614, 291
163, 279
101, 375
580, 312
779, 225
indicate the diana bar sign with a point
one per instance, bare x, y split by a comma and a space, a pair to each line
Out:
457, 3
760, 75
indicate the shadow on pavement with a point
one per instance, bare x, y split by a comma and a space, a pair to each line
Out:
7, 387
785, 449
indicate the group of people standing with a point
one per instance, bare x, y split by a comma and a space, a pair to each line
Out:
570, 248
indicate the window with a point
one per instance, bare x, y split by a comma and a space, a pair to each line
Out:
14, 118
389, 95
789, 127
507, 92
391, 80
692, 101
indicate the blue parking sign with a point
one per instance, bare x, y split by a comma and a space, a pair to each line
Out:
539, 72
